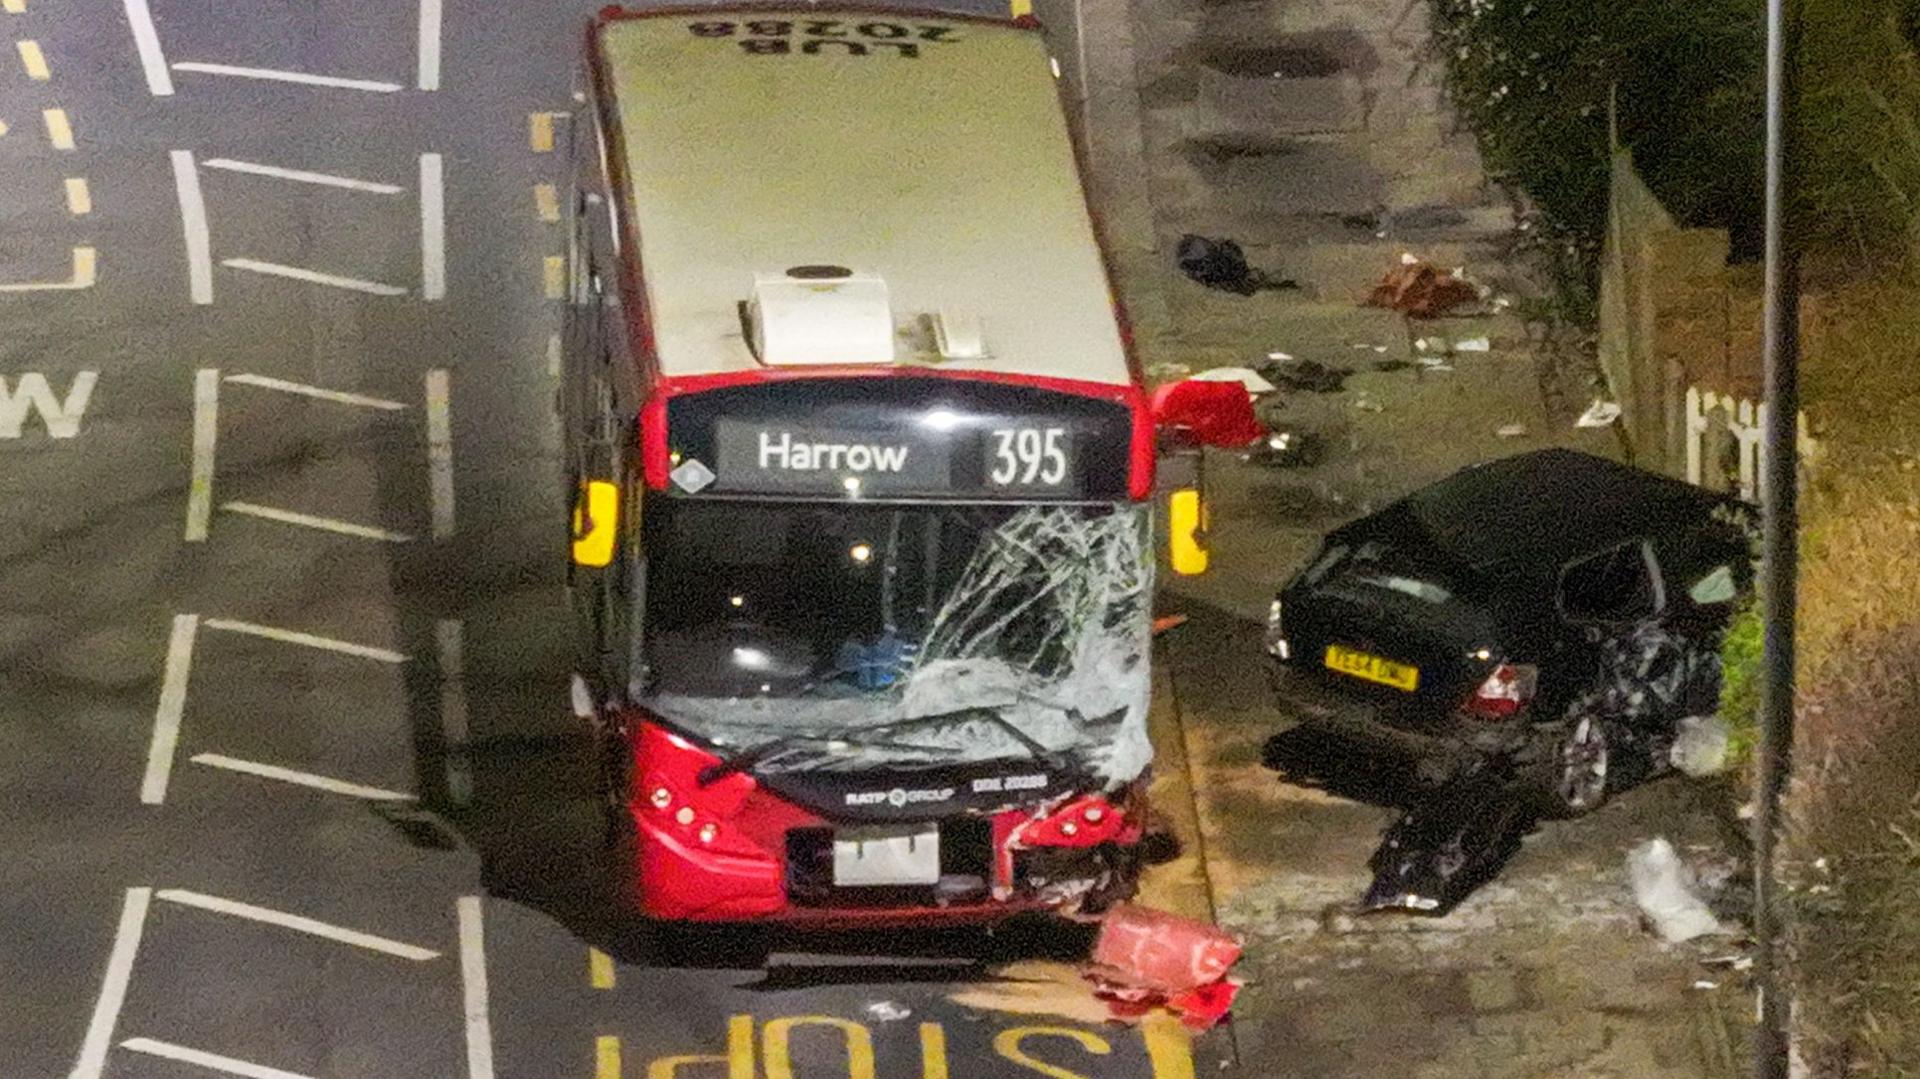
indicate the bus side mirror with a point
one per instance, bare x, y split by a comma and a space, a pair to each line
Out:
596, 519
1189, 417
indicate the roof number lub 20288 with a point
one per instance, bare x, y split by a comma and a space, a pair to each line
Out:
776, 37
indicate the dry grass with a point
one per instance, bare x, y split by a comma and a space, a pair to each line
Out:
1855, 801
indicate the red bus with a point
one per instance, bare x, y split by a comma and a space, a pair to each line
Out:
862, 468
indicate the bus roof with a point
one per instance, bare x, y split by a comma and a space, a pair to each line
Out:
926, 150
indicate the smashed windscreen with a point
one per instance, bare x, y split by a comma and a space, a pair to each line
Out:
836, 637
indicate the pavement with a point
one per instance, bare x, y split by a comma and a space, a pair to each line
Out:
292, 788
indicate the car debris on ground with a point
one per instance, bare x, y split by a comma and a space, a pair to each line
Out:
1665, 890
1419, 289
1451, 842
1599, 414
1221, 264
1145, 959
1700, 746
1306, 376
1246, 376
1511, 430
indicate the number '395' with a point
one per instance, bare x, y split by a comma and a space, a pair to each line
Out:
1029, 455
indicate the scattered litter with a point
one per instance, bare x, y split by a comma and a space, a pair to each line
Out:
1362, 346
1421, 290
1443, 848
1146, 958
1745, 812
1473, 344
1435, 363
1246, 376
1664, 889
1368, 404
1280, 356
1820, 864
1289, 449
887, 1011
1512, 430
1168, 371
1599, 414
1700, 746
1307, 376
1167, 622
1221, 264
1704, 984
1736, 962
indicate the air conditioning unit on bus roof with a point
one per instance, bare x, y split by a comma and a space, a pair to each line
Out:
820, 315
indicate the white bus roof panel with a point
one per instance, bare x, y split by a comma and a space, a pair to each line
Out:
933, 156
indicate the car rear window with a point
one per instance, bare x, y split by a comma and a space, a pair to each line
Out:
1373, 567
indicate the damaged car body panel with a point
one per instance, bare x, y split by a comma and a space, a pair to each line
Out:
1537, 627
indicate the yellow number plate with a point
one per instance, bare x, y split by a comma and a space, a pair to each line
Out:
1372, 668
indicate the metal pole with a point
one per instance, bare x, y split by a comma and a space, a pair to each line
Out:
1778, 544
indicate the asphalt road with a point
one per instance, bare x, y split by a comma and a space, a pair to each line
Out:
290, 786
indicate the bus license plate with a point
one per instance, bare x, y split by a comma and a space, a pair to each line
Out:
1372, 668
886, 855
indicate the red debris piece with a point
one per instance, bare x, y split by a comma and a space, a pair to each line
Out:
1216, 413
1421, 290
1167, 622
1146, 959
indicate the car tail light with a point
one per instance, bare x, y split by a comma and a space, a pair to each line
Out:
1505, 692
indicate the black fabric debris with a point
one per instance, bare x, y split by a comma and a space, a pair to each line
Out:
1307, 376
1289, 449
1392, 365
1450, 843
1221, 264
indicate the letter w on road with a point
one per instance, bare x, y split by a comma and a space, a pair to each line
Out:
32, 393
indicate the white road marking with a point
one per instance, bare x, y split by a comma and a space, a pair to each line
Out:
433, 227
304, 779
440, 451
276, 270
302, 176
173, 704
308, 520
79, 197
281, 384
297, 923
32, 393
193, 222
302, 77
473, 981
273, 633
553, 355
214, 1061
147, 43
206, 430
427, 57
59, 130
450, 635
83, 276
113, 990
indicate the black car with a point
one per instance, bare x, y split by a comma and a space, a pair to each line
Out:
1554, 611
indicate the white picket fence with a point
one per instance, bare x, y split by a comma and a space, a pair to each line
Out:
1712, 419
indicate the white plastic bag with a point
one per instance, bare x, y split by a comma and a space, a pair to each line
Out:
1700, 747
1664, 888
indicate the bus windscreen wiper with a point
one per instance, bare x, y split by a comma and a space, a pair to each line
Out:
749, 759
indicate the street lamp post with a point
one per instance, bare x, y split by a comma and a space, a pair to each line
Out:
1779, 552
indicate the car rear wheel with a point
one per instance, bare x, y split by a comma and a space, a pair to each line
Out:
1569, 764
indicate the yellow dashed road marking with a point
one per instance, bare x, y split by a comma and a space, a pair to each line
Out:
33, 60
79, 199
546, 201
3, 127
540, 132
1020, 9
556, 276
599, 969
13, 7
606, 1057
59, 131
